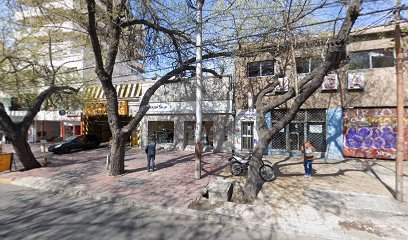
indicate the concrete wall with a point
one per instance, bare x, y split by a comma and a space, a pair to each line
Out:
214, 89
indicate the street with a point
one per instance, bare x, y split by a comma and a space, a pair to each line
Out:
31, 214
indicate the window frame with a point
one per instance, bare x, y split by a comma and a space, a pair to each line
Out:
260, 68
370, 57
249, 138
310, 61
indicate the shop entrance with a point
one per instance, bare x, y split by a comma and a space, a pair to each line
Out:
308, 125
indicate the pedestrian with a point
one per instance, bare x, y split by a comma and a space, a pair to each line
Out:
151, 153
308, 155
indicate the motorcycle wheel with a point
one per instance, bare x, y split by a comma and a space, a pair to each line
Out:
236, 168
267, 173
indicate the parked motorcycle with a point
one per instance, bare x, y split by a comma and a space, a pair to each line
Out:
239, 165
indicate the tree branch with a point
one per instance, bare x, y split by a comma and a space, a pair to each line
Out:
96, 47
39, 100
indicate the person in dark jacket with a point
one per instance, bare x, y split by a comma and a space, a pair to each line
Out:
151, 154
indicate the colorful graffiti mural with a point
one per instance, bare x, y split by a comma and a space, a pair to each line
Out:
372, 133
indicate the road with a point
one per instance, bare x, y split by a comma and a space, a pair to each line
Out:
32, 214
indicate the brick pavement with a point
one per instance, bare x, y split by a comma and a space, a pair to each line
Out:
172, 184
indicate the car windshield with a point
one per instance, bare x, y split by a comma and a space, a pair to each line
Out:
69, 139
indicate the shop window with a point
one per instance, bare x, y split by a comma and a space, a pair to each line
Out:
372, 59
247, 135
161, 131
262, 68
207, 131
307, 65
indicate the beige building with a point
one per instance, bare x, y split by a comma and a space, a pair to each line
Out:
345, 117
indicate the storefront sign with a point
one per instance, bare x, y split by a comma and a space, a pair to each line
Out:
5, 161
248, 115
316, 128
100, 108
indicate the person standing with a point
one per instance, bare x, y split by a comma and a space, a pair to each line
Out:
308, 155
151, 153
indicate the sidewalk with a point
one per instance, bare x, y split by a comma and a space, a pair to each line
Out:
346, 199
349, 199
171, 185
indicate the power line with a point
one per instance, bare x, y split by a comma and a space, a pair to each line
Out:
223, 41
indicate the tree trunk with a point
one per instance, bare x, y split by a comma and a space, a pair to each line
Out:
117, 155
23, 151
254, 182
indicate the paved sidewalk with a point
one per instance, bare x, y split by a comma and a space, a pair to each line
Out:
349, 199
346, 199
84, 172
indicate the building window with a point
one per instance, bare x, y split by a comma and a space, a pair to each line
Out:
258, 69
372, 59
308, 125
307, 65
161, 131
207, 131
247, 135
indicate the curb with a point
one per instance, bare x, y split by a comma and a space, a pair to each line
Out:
212, 217
6, 180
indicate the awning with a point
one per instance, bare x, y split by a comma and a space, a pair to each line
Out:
124, 91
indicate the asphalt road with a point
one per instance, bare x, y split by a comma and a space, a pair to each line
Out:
32, 214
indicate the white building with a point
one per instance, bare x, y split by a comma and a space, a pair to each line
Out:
171, 117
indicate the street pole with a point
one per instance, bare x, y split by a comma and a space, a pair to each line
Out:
399, 164
199, 99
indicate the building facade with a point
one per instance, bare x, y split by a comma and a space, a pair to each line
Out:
351, 115
171, 117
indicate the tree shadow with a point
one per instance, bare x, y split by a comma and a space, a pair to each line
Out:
368, 167
56, 216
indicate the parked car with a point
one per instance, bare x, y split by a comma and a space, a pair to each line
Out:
86, 141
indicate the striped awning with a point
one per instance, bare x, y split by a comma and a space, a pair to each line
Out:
124, 91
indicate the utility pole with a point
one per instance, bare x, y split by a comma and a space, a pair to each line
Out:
399, 163
199, 89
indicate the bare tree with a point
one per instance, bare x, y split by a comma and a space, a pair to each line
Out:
120, 19
334, 58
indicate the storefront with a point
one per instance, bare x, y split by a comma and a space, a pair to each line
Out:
171, 117
309, 124
95, 119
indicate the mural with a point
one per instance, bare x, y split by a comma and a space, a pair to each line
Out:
372, 133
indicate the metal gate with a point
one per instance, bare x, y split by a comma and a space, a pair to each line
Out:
308, 125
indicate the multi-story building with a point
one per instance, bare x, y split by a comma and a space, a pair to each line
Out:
352, 114
53, 28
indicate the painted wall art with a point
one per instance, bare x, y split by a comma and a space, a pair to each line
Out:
372, 133
330, 82
283, 85
355, 80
